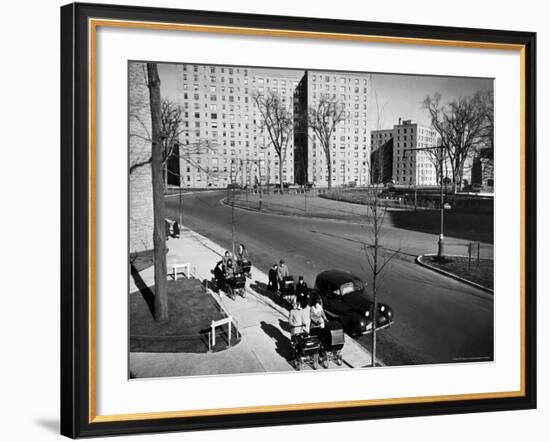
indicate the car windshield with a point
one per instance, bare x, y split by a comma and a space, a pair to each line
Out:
350, 287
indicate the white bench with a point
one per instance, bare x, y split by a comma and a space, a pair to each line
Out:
176, 267
219, 323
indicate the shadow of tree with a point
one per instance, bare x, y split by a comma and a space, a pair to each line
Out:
148, 295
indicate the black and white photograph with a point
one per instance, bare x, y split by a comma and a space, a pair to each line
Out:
283, 220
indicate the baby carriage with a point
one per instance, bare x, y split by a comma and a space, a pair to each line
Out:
245, 265
332, 342
288, 290
235, 284
305, 350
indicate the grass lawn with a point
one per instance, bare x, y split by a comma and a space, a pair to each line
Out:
191, 311
461, 225
482, 274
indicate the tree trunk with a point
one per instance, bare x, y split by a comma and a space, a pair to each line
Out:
374, 277
329, 166
159, 234
281, 172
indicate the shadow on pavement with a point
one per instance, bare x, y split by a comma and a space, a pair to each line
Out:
284, 325
262, 289
282, 343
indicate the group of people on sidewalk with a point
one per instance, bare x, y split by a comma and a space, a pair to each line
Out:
303, 317
305, 313
277, 275
225, 268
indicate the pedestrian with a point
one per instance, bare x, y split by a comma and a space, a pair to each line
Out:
305, 315
282, 273
242, 253
295, 320
226, 257
176, 229
229, 269
272, 283
317, 315
302, 291
243, 261
219, 274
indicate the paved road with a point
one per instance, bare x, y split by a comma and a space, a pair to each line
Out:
437, 319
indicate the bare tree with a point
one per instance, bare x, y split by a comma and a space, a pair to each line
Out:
159, 233
277, 120
438, 159
376, 255
323, 119
486, 100
460, 124
172, 127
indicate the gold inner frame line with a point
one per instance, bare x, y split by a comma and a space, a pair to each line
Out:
93, 24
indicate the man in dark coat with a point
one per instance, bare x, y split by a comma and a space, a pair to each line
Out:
273, 284
302, 292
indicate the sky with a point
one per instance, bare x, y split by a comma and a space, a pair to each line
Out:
398, 95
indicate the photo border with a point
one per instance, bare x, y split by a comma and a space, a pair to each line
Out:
79, 23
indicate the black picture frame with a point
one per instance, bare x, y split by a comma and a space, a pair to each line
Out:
76, 404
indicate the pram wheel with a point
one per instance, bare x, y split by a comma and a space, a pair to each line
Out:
297, 363
231, 292
315, 362
324, 361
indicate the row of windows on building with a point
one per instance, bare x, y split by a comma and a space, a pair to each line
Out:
343, 80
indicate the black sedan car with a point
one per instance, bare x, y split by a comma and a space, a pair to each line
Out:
345, 297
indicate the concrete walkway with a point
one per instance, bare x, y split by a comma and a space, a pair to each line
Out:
263, 324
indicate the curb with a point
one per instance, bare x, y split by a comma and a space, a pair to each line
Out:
452, 275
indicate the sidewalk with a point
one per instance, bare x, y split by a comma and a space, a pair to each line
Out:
265, 343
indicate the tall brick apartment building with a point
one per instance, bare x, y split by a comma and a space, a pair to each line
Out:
349, 150
410, 166
140, 184
218, 107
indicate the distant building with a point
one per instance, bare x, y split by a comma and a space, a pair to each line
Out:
410, 164
482, 171
349, 148
381, 163
219, 108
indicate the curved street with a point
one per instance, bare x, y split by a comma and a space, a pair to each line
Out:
437, 319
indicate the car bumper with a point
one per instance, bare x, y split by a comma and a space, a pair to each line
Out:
380, 327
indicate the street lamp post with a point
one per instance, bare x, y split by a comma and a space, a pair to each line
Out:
440, 241
180, 208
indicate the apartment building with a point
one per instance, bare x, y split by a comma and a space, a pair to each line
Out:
410, 165
349, 153
221, 142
